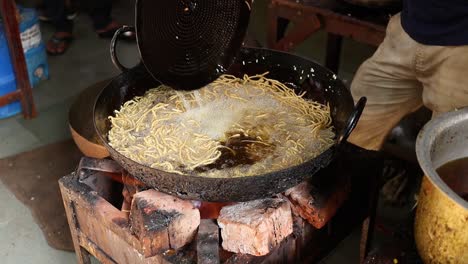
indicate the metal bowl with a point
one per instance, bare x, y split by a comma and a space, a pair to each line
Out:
442, 140
80, 120
441, 223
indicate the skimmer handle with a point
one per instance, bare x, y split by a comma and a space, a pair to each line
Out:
113, 46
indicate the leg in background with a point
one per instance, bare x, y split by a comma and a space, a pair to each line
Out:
388, 81
58, 11
100, 13
103, 23
60, 41
443, 72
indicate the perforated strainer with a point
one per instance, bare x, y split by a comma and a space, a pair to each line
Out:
187, 44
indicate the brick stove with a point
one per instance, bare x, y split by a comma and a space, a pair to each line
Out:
117, 219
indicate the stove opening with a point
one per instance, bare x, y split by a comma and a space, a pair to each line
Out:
107, 185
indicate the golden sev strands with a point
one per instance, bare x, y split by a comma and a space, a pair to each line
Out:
155, 129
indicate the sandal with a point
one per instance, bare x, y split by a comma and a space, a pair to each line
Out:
59, 43
109, 30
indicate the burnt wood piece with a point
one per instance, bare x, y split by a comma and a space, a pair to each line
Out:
162, 222
364, 169
318, 204
23, 93
208, 242
255, 227
308, 18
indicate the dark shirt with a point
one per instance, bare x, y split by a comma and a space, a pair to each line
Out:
436, 22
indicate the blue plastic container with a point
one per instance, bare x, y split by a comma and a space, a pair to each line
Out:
7, 77
35, 54
33, 46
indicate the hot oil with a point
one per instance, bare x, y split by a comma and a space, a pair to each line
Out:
184, 101
239, 149
455, 175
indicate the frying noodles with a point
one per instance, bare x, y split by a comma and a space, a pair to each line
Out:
232, 127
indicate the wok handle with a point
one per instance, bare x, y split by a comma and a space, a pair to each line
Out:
113, 46
352, 120
103, 165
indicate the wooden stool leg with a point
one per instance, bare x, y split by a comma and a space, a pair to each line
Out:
332, 59
8, 13
281, 29
272, 24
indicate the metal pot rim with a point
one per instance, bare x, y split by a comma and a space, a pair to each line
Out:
425, 142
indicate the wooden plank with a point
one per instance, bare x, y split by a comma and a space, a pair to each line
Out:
359, 30
10, 97
113, 248
324, 12
81, 255
94, 250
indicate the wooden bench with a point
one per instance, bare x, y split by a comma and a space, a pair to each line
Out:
307, 16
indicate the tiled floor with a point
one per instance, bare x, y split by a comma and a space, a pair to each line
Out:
21, 240
86, 62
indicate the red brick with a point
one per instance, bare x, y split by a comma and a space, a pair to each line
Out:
255, 227
162, 221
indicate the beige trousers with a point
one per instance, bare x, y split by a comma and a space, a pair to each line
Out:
400, 77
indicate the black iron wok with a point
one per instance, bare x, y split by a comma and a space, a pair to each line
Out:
299, 73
